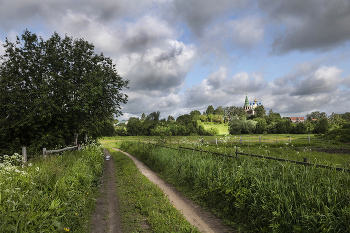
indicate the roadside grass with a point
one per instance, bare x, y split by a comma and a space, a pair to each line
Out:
56, 194
255, 195
141, 199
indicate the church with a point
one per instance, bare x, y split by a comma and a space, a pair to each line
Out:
249, 106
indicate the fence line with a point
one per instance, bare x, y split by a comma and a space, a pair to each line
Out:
305, 163
46, 152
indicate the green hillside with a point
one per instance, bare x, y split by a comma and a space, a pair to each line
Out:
223, 128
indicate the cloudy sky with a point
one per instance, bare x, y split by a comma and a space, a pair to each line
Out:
183, 55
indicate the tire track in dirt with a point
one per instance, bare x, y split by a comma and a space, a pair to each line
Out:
106, 217
205, 221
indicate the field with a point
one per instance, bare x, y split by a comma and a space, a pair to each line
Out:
222, 128
254, 194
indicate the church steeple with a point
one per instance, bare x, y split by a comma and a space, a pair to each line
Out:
246, 104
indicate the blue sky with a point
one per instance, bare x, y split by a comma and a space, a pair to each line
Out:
187, 54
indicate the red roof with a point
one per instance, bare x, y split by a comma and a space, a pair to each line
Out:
295, 119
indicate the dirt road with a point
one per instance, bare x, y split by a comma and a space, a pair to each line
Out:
205, 221
106, 217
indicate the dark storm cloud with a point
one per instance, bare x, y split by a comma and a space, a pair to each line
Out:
198, 14
309, 24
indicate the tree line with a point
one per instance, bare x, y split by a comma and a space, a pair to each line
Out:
238, 122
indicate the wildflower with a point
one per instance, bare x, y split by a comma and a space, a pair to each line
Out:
37, 169
66, 229
30, 164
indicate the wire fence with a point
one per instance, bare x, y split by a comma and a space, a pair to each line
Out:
236, 155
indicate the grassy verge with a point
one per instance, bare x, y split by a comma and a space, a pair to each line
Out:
55, 194
141, 199
256, 195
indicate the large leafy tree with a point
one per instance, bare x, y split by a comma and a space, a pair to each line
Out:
51, 89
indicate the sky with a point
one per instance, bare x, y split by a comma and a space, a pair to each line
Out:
184, 55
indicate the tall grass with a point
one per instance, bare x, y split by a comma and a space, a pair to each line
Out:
256, 194
50, 195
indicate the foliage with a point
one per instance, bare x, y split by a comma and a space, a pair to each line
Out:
340, 134
51, 89
210, 110
256, 194
55, 194
322, 126
316, 115
260, 111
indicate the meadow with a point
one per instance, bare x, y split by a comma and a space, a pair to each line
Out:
253, 194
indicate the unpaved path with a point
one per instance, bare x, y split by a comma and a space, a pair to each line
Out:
106, 217
205, 221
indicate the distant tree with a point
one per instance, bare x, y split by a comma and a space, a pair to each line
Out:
184, 119
219, 111
335, 120
322, 126
210, 110
261, 125
143, 117
218, 118
346, 116
154, 116
249, 126
203, 118
316, 115
260, 111
195, 114
239, 112
300, 128
283, 126
210, 117
134, 127
235, 126
171, 118
51, 89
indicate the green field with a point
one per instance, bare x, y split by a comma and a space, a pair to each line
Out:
253, 194
222, 128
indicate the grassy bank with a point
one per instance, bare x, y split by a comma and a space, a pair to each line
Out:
256, 194
55, 194
144, 207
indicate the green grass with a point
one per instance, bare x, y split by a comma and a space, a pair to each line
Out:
55, 194
256, 195
140, 199
317, 151
222, 128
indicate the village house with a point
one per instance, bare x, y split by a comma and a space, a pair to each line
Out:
296, 119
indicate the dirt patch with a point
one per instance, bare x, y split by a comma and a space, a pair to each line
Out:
205, 221
106, 217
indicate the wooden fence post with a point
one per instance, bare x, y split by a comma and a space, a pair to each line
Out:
308, 137
44, 152
240, 139
260, 139
305, 160
86, 138
24, 156
75, 139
